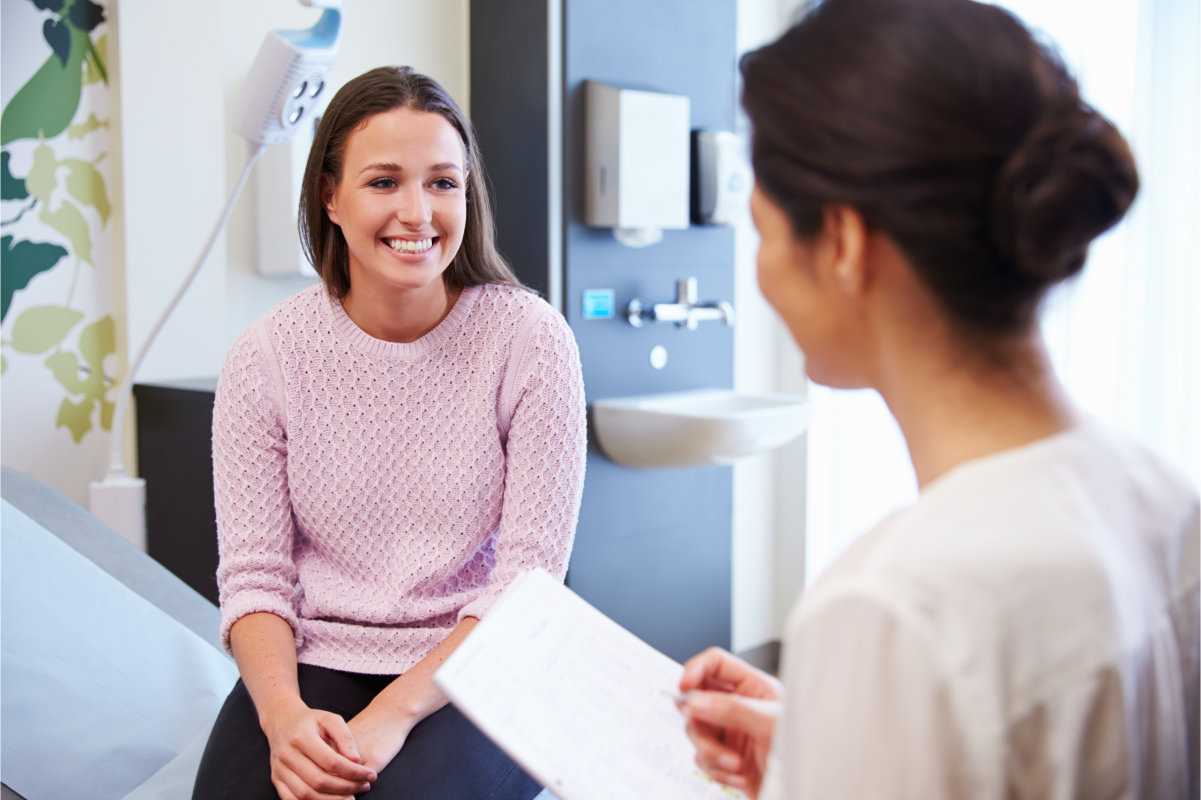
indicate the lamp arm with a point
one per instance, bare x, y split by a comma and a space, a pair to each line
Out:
116, 465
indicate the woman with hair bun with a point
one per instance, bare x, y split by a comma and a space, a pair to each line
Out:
925, 173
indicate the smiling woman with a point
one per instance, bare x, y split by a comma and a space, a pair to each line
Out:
401, 207
390, 451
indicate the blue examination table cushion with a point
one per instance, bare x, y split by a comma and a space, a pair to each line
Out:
104, 694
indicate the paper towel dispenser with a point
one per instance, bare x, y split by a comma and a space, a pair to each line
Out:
637, 155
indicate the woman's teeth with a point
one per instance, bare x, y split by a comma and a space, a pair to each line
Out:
409, 246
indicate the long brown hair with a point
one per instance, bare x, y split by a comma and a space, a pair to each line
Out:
375, 92
951, 130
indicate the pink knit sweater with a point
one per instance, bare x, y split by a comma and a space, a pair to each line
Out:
372, 494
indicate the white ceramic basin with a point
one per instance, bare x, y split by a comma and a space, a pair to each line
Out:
696, 428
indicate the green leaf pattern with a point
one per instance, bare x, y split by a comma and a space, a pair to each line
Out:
84, 128
64, 366
68, 221
86, 380
44, 106
83, 183
42, 327
41, 180
22, 263
86, 185
93, 63
10, 188
71, 199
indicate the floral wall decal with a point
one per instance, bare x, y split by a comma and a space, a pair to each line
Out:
54, 139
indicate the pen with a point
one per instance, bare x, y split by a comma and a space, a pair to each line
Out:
711, 685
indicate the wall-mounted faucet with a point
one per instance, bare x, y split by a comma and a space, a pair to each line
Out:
685, 312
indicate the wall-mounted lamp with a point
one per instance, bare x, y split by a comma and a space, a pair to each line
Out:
278, 99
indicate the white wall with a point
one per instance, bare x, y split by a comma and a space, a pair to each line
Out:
180, 70
769, 490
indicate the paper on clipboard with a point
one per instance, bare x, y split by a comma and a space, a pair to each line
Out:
581, 703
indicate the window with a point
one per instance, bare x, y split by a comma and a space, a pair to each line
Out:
1124, 336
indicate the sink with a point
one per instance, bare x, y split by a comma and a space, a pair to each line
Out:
696, 428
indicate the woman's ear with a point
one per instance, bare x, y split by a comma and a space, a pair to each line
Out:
327, 199
846, 234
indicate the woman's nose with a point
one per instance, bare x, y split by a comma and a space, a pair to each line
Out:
413, 207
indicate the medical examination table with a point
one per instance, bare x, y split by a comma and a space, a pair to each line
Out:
111, 672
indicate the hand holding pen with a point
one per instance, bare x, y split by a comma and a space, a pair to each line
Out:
731, 708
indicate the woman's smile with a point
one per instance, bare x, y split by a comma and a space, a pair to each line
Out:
411, 246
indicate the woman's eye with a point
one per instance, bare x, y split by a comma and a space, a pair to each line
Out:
383, 183
445, 184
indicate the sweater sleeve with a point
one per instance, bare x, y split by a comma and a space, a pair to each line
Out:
544, 461
250, 478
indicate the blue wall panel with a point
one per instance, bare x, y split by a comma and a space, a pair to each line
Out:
653, 547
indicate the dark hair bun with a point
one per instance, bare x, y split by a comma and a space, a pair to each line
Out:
1069, 180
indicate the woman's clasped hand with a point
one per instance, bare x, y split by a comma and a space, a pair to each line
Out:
314, 754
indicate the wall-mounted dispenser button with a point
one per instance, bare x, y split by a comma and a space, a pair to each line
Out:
658, 356
598, 304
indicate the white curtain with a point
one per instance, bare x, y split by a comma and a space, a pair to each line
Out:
1124, 336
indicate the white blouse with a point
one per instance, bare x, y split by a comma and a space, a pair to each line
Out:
1028, 629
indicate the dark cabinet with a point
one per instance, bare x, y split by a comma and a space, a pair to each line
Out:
175, 459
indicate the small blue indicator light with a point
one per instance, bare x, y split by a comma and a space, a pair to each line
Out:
599, 304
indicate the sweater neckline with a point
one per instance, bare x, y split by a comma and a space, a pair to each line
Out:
349, 333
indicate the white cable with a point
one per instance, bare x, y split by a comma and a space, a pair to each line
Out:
116, 465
